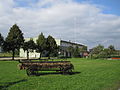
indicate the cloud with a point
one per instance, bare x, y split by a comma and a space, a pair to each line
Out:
80, 22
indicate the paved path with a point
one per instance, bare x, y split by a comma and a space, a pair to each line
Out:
8, 59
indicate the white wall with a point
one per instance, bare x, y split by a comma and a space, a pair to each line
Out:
33, 54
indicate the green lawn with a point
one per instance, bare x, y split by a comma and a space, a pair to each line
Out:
7, 55
89, 75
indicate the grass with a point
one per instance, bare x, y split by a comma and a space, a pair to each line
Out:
90, 75
7, 55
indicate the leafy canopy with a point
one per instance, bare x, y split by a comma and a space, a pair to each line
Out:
29, 45
15, 38
41, 43
51, 45
97, 49
76, 52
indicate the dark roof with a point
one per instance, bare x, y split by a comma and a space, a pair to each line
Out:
72, 43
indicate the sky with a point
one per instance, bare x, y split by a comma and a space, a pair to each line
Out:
88, 22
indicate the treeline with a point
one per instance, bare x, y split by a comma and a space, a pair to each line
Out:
101, 52
15, 40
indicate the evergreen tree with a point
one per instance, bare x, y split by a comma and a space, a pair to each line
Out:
51, 45
1, 40
14, 39
29, 46
111, 49
41, 44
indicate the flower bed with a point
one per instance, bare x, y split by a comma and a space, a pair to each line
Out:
116, 58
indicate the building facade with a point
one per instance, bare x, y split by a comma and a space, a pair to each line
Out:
61, 43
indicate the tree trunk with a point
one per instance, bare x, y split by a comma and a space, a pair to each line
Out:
90, 56
27, 55
40, 55
13, 51
49, 55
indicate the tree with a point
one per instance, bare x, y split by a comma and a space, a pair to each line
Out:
41, 44
70, 50
112, 49
14, 40
76, 52
51, 45
97, 49
104, 54
29, 46
1, 40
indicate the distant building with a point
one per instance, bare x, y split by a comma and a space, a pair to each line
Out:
65, 44
61, 43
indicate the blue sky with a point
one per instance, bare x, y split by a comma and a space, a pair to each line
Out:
112, 6
89, 22
25, 3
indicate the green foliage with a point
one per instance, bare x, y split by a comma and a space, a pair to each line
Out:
101, 52
112, 49
61, 56
70, 50
104, 54
51, 45
97, 49
1, 40
7, 54
14, 40
114, 56
41, 44
89, 74
29, 46
83, 49
76, 52
116, 53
